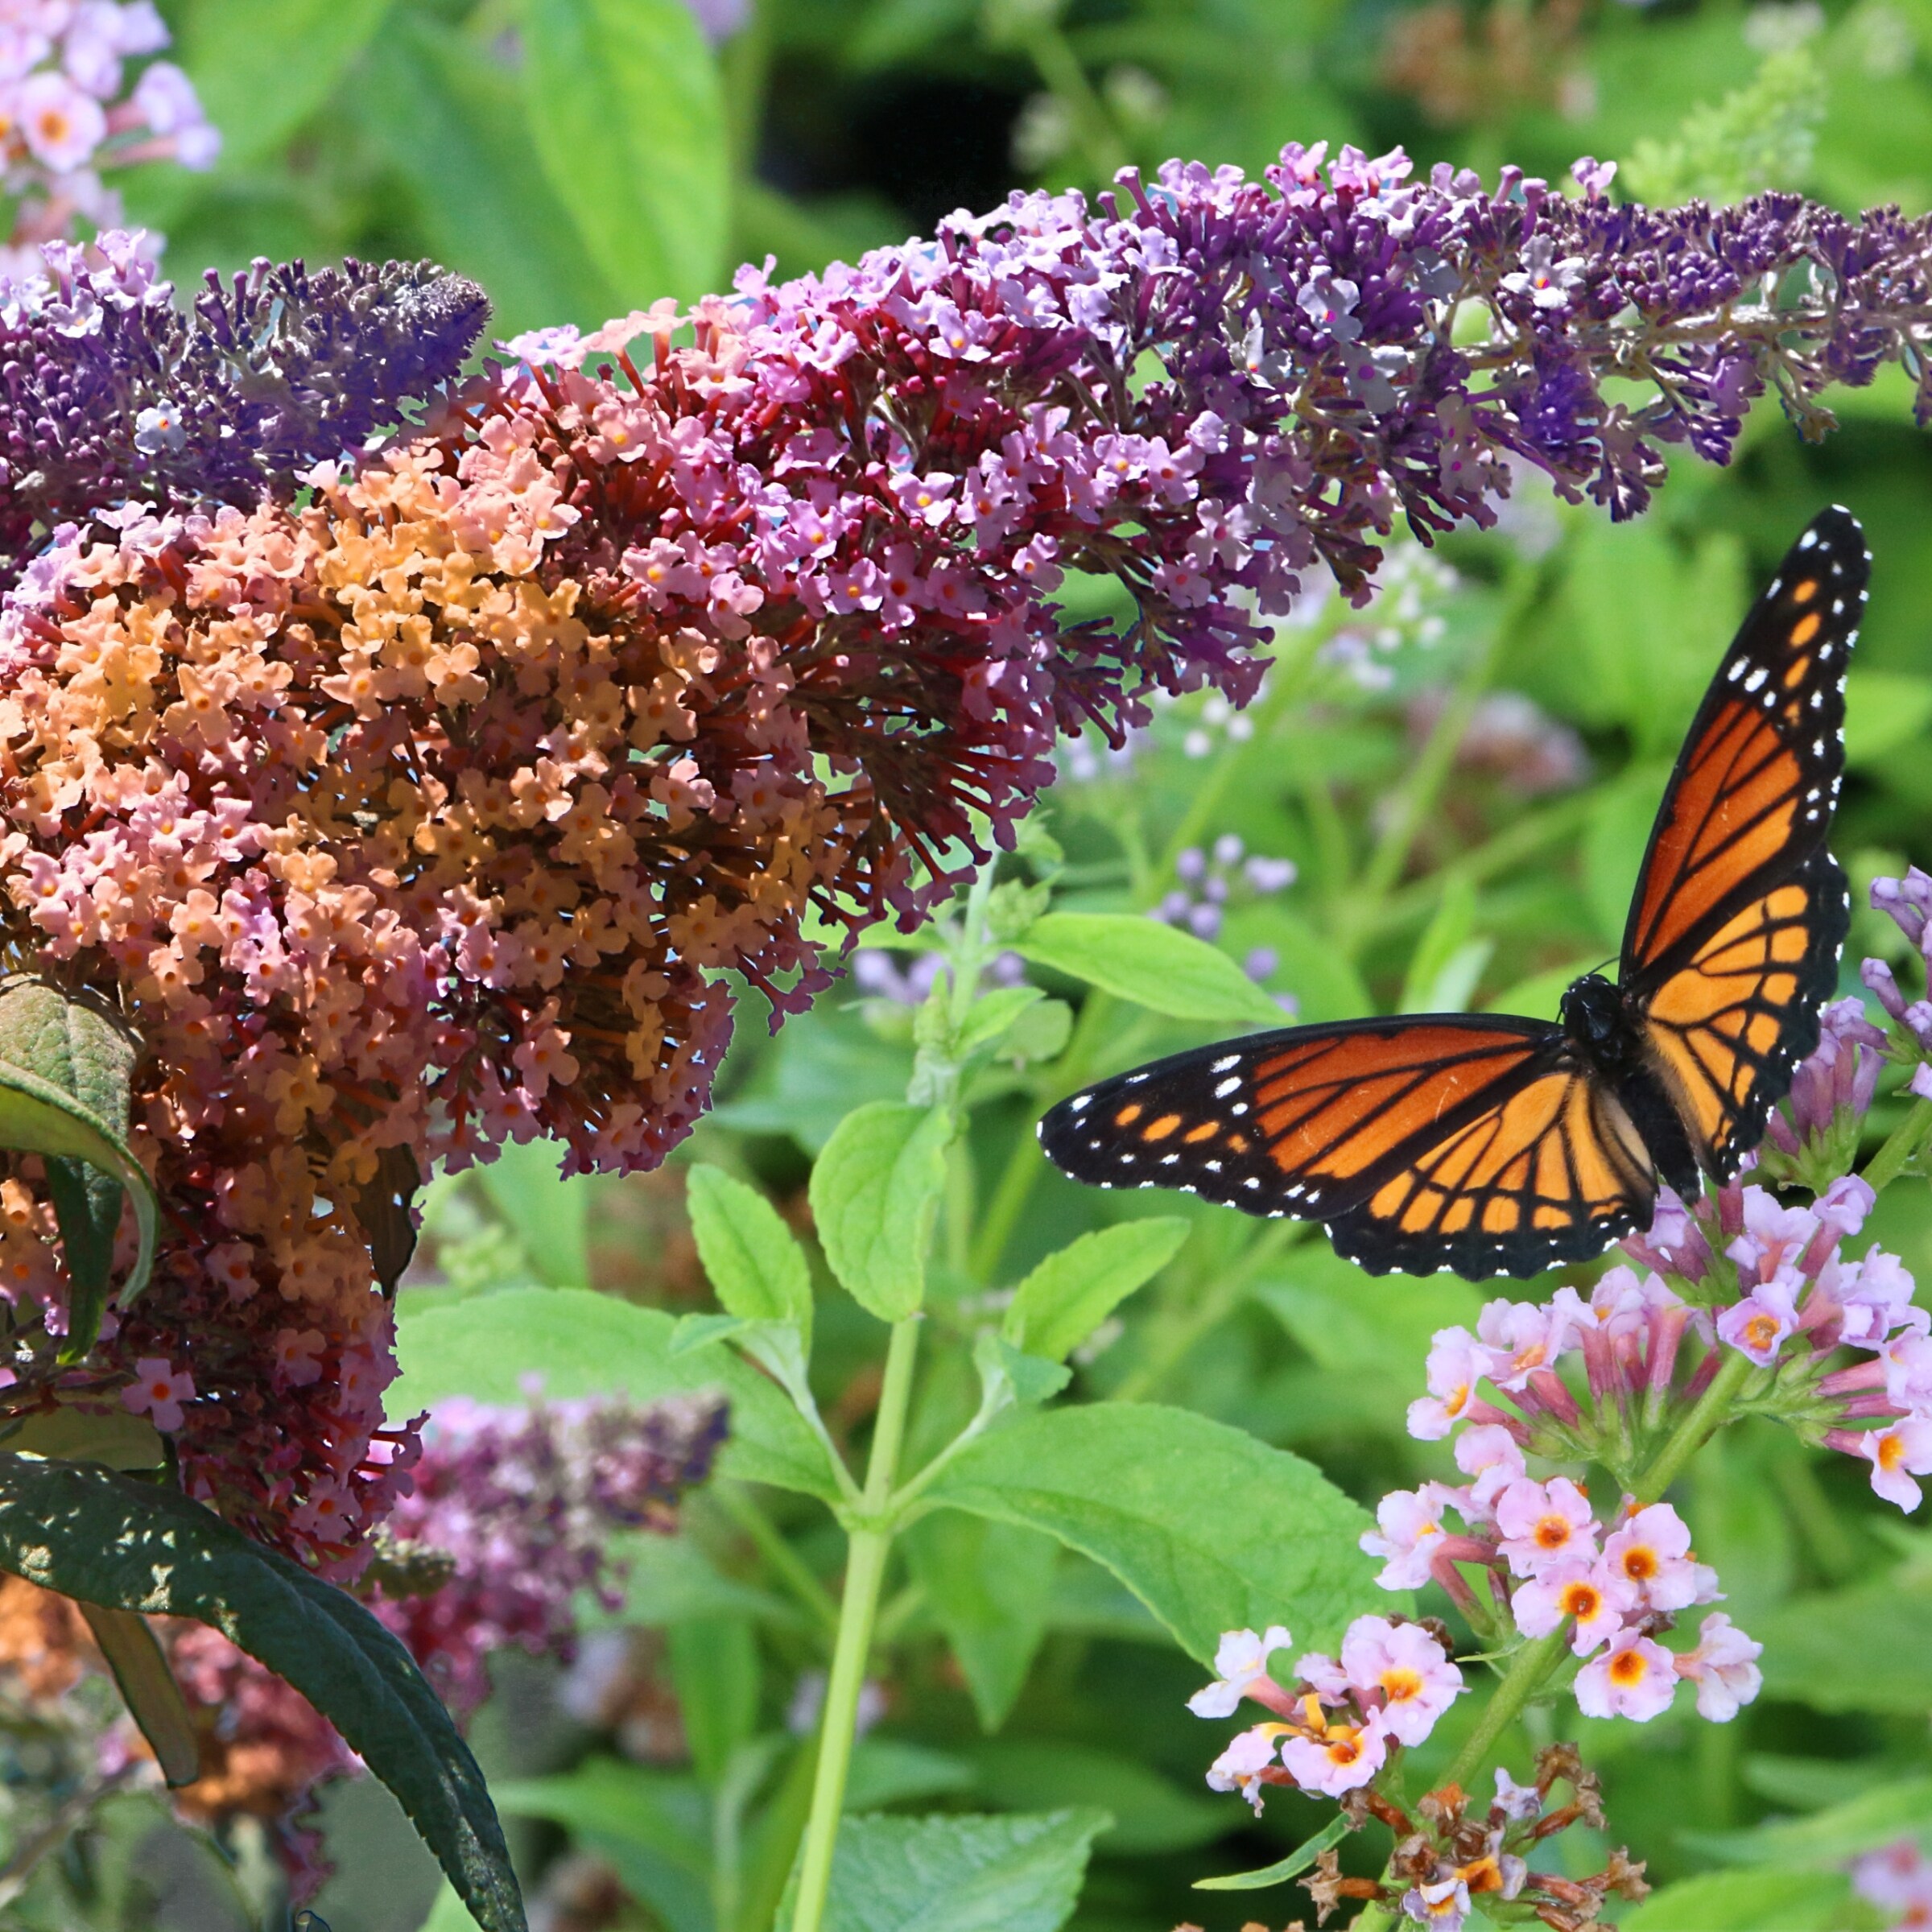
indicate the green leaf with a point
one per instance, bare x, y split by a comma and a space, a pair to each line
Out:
449, 116
669, 1580
653, 1825
110, 1436
1298, 1861
1151, 1815
1073, 1291
65, 1066
890, 1771
1884, 709
1827, 1838
104, 1538
1017, 1873
1039, 1035
1754, 1901
714, 1670
1150, 963
1212, 1530
147, 1687
757, 1267
1867, 1647
262, 72
625, 107
990, 1016
549, 1216
988, 1586
875, 1192
580, 1344
1442, 944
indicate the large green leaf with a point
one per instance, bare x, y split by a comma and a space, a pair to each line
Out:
65, 1070
1827, 1838
1867, 1647
875, 1193
1076, 1288
1212, 1530
105, 1538
626, 110
1154, 965
988, 1586
1151, 1815
1019, 1873
549, 1215
450, 118
757, 1270
579, 1344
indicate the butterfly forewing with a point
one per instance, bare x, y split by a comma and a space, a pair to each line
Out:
1740, 911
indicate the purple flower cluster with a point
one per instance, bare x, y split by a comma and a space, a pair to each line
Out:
110, 395
510, 1515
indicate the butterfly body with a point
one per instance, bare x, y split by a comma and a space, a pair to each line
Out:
1491, 1144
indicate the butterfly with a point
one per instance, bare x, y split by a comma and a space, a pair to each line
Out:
1488, 1143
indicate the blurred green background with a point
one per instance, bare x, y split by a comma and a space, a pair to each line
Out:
582, 157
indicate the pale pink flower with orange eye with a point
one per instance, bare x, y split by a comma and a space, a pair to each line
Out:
62, 124
1544, 1524
1240, 1767
1457, 1362
1651, 1551
1407, 1669
1241, 1659
1409, 1528
157, 1391
1588, 1591
1342, 1758
1635, 1678
1490, 1454
1896, 1455
1723, 1667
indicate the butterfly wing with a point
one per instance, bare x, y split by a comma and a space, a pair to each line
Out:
1469, 1142
1740, 911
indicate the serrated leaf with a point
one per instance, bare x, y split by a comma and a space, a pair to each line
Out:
579, 1344
624, 105
1212, 1530
1021, 1872
1150, 963
104, 1538
65, 1067
875, 1192
1073, 1291
756, 1268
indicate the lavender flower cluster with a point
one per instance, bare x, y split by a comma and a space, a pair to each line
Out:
110, 395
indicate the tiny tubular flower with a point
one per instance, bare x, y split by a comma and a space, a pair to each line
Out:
1544, 1524
1651, 1552
1491, 1455
1724, 1667
157, 1391
1636, 1677
1334, 1756
1457, 1362
1409, 1529
1592, 1593
1897, 1454
1244, 1765
1406, 1669
1241, 1659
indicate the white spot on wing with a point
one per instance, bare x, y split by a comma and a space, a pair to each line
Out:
1226, 1087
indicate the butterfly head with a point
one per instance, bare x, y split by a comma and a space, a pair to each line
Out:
1595, 1019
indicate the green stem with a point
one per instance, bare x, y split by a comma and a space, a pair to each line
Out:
1906, 1139
870, 1546
1700, 1422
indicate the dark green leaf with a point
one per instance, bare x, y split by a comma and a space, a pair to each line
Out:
1154, 965
875, 1193
65, 1065
1298, 1861
147, 1687
580, 1344
1018, 1873
988, 1586
104, 1538
890, 1771
625, 108
756, 1268
1150, 1814
1212, 1530
714, 1670
1074, 1290
110, 1436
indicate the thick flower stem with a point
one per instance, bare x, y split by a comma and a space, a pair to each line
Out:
1906, 1139
871, 1544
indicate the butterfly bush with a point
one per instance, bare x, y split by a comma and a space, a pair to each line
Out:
407, 756
1898, 1881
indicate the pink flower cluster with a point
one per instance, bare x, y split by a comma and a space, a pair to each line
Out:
67, 110
1898, 1881
1551, 1565
1334, 1732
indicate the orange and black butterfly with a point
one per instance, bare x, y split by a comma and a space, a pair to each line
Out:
1493, 1145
